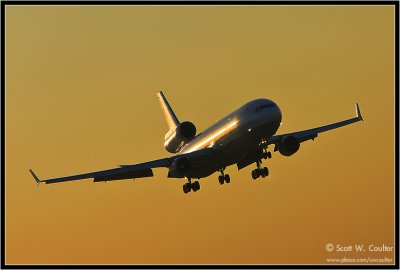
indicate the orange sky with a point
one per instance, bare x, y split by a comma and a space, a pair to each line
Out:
81, 85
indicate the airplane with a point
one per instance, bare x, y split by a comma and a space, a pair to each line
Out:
242, 138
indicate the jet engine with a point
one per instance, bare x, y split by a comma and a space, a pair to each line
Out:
181, 165
289, 145
183, 133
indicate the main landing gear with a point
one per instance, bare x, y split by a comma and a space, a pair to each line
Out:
223, 178
189, 186
263, 172
256, 173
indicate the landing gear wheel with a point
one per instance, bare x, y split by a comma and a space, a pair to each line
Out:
255, 174
264, 172
186, 188
196, 186
221, 179
227, 178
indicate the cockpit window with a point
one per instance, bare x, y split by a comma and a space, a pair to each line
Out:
260, 108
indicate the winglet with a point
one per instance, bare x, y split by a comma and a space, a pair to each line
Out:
359, 116
38, 181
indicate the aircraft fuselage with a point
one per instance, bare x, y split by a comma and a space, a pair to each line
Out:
235, 135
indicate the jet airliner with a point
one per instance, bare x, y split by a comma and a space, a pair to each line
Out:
241, 138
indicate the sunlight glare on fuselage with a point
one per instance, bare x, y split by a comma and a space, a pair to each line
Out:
210, 140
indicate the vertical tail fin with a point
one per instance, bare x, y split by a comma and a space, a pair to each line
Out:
169, 114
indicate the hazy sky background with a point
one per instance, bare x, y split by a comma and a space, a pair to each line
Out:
81, 85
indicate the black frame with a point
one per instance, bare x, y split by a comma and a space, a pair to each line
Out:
227, 3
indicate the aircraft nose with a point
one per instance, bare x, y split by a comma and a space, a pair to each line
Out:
278, 114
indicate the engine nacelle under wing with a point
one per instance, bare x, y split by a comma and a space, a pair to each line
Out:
193, 165
289, 145
180, 167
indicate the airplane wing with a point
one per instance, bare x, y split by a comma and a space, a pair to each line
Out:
311, 134
124, 171
128, 172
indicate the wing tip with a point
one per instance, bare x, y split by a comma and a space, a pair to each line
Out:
38, 181
359, 116
34, 176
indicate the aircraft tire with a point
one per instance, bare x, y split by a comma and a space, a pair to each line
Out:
227, 178
186, 188
264, 172
196, 186
221, 180
255, 174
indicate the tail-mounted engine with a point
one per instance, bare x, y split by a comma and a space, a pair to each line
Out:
183, 133
289, 145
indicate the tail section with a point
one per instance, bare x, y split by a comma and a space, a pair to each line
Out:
178, 133
169, 114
